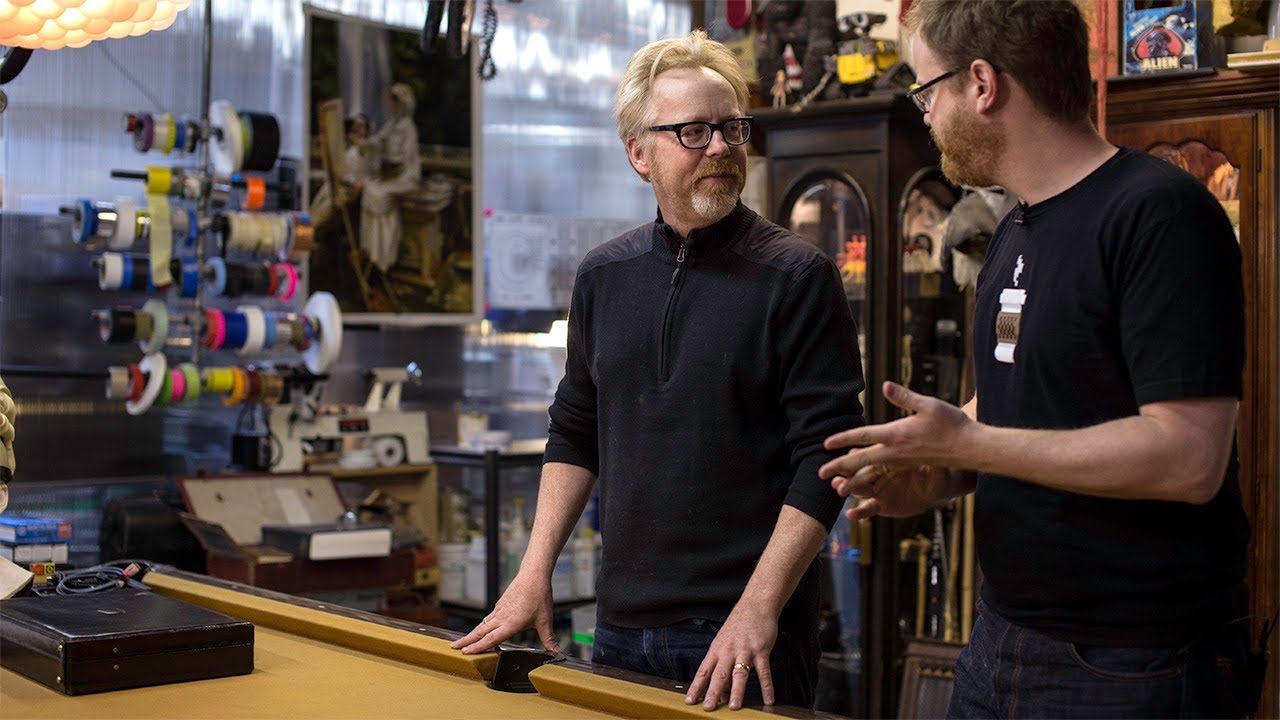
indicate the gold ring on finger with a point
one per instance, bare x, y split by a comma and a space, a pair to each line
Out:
741, 666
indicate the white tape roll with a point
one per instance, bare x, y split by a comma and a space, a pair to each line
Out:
157, 368
324, 307
389, 451
257, 329
159, 313
227, 153
126, 226
111, 271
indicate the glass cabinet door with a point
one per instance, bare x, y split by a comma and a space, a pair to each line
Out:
830, 210
932, 346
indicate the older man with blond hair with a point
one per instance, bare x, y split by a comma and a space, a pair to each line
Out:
710, 352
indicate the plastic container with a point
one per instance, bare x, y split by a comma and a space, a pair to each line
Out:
475, 580
584, 564
583, 622
453, 571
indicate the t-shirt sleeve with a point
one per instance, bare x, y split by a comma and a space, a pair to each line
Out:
821, 379
1181, 301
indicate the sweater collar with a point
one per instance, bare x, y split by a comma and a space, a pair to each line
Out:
706, 241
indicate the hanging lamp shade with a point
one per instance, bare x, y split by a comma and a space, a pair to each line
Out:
54, 24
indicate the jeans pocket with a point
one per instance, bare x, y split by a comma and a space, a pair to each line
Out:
1129, 664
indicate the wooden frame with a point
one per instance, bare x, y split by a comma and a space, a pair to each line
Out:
926, 678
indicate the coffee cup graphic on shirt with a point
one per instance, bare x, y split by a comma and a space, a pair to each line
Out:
1009, 319
1009, 323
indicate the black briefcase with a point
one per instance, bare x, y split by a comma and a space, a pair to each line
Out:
120, 639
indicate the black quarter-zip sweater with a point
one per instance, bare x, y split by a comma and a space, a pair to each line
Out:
703, 375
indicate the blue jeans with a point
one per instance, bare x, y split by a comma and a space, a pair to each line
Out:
1008, 671
676, 651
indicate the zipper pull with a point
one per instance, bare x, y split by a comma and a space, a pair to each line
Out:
679, 264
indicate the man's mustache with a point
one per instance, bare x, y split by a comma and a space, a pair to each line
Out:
717, 167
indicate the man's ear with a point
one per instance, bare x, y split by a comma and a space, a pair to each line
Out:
988, 84
638, 155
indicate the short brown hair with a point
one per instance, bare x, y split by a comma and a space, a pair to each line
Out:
1043, 44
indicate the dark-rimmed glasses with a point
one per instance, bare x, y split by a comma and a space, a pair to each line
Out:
922, 95
697, 134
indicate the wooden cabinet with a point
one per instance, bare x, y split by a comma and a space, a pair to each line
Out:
837, 174
1222, 128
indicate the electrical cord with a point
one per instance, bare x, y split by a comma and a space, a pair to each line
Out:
101, 578
488, 70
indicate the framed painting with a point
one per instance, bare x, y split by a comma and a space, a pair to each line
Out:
392, 173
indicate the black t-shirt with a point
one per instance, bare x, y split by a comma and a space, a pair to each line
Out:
1121, 291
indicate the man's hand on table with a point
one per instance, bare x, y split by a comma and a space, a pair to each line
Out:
525, 604
741, 647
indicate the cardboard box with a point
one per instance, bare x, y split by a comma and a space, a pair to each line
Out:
227, 512
19, 530
1169, 36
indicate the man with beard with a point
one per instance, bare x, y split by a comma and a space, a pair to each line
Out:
710, 353
1109, 343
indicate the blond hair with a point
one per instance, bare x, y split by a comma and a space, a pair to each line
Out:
631, 107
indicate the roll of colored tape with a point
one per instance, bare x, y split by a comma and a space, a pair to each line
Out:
137, 382
190, 268
253, 392
220, 329
159, 313
166, 391
291, 286
83, 224
237, 332
126, 224
191, 375
146, 325
256, 330
237, 279
165, 130
218, 268
193, 228
226, 150
193, 134
269, 336
323, 307
239, 386
219, 380
159, 182
157, 368
272, 388
111, 271
144, 133
117, 382
118, 325
264, 141
274, 280
255, 193
178, 381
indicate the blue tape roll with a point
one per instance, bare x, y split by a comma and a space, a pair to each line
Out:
237, 330
126, 277
269, 337
179, 135
219, 268
193, 228
88, 222
190, 277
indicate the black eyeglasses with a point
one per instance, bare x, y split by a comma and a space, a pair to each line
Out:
922, 95
697, 134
